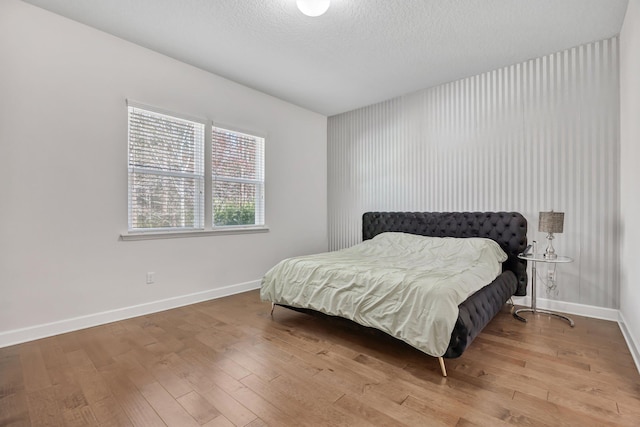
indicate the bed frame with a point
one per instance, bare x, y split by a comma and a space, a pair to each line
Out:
508, 229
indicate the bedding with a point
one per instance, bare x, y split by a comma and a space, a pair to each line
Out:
507, 229
407, 285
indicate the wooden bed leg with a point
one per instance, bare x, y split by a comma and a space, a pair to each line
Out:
273, 307
442, 368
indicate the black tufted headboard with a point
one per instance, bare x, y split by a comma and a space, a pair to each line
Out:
509, 229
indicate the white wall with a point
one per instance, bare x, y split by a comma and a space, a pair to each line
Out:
630, 175
63, 177
534, 136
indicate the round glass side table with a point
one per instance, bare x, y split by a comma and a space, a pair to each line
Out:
536, 258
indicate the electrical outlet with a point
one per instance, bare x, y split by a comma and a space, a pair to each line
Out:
151, 277
551, 275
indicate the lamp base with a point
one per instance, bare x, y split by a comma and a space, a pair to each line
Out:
550, 253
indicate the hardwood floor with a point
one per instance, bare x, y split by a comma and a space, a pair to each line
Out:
227, 362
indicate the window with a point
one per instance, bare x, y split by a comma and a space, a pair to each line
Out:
173, 187
166, 172
238, 178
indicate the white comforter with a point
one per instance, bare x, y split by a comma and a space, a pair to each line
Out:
405, 285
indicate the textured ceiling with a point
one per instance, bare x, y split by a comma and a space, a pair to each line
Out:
360, 52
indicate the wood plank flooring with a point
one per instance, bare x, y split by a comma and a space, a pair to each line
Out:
228, 363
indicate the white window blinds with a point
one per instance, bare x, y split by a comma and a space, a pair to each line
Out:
166, 172
237, 178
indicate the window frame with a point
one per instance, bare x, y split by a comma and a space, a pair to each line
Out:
260, 183
206, 198
199, 165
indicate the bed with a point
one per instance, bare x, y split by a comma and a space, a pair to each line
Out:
505, 230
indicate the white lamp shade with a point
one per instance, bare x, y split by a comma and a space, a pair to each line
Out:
313, 7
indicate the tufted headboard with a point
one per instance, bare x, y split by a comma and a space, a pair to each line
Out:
509, 229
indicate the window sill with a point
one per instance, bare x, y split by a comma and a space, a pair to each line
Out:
153, 235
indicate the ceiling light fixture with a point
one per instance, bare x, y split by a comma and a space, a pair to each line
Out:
313, 7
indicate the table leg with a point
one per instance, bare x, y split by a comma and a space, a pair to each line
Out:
533, 308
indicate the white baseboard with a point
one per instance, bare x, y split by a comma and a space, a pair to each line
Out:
31, 333
633, 346
571, 308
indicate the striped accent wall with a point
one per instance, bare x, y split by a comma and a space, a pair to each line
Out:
531, 137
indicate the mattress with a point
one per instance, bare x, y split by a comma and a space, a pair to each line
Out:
406, 285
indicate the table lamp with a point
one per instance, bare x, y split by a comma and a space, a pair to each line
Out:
551, 222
